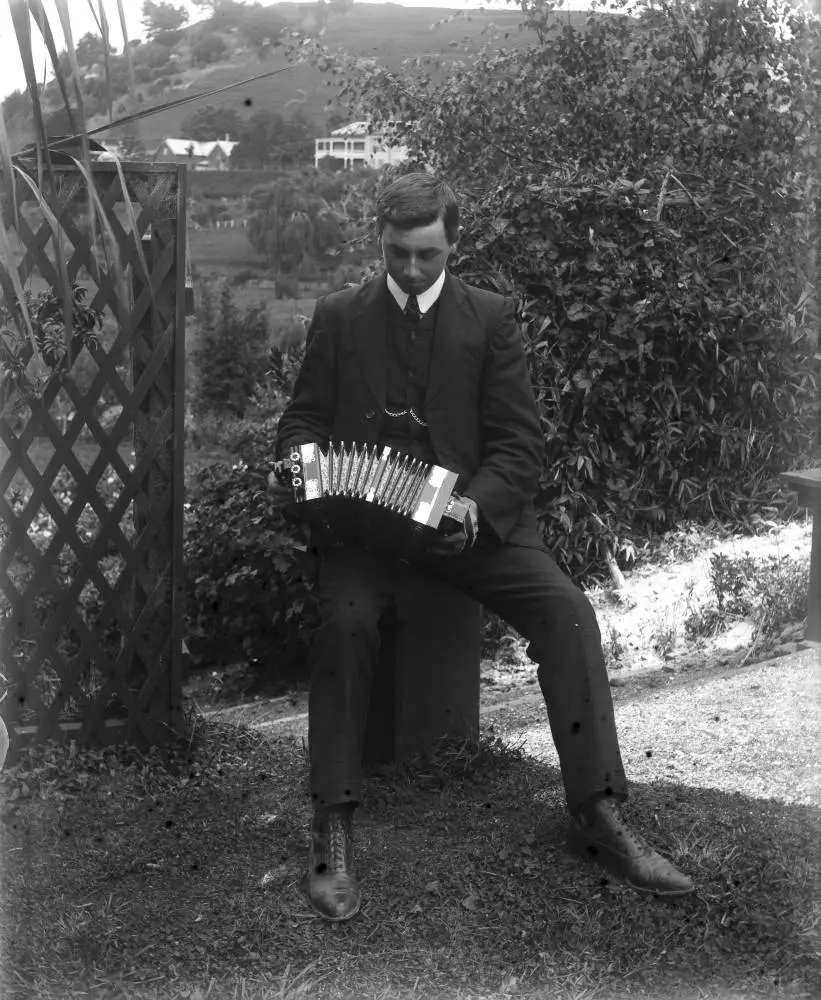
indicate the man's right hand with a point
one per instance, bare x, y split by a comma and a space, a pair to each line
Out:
280, 485
280, 491
282, 475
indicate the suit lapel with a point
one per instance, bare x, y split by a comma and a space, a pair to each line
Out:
369, 331
452, 323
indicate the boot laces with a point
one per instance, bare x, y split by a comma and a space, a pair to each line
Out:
630, 836
337, 844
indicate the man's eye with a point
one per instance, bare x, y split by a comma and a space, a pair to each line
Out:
431, 255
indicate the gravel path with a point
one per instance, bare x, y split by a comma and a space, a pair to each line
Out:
753, 729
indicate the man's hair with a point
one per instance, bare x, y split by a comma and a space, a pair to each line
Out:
418, 200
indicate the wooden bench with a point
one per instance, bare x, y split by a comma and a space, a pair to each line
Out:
807, 484
426, 684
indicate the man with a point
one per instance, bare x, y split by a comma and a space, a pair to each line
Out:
421, 361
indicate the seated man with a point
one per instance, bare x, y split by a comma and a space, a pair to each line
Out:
419, 360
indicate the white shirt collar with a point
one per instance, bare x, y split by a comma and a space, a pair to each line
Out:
425, 299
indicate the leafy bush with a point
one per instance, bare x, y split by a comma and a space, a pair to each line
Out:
289, 334
772, 594
247, 596
283, 367
209, 50
155, 57
229, 352
655, 219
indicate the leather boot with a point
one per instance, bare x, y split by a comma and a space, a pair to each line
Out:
330, 885
606, 838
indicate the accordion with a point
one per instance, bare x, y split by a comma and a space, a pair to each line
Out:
381, 498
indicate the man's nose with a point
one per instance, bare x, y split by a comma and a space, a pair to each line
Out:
412, 268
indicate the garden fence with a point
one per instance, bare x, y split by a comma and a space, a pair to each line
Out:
91, 567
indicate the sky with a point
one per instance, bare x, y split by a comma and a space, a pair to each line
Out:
11, 70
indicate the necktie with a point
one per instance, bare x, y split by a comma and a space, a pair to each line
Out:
412, 310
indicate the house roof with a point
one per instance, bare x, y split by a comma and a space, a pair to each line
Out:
355, 128
180, 147
360, 129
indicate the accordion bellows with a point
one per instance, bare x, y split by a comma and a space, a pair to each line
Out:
378, 480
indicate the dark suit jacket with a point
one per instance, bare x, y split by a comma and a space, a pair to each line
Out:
479, 403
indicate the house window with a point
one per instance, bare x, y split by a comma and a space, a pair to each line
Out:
359, 146
339, 147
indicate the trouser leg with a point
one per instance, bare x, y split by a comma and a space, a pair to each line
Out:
526, 588
354, 590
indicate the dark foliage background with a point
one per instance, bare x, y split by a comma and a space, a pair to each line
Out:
646, 188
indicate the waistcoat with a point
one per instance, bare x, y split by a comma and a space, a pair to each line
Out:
408, 355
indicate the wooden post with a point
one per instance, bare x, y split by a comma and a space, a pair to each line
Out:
162, 563
807, 484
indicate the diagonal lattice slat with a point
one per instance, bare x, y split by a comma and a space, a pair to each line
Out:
90, 585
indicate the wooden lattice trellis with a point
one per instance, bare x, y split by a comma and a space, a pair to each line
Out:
118, 676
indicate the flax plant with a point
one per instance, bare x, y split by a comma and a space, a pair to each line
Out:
24, 370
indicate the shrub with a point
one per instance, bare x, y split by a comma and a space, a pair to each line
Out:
658, 401
290, 333
655, 219
168, 39
247, 596
772, 593
209, 50
283, 366
229, 353
155, 57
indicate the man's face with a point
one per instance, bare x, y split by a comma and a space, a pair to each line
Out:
415, 258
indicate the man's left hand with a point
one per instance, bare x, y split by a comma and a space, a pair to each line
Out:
463, 538
471, 521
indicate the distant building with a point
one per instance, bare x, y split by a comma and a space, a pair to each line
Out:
198, 155
356, 146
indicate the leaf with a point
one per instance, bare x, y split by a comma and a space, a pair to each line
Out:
578, 311
470, 902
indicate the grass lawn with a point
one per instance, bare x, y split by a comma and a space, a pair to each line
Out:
224, 250
281, 312
128, 878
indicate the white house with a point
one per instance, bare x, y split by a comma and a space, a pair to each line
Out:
356, 146
198, 155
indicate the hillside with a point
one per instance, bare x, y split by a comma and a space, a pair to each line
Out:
388, 31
